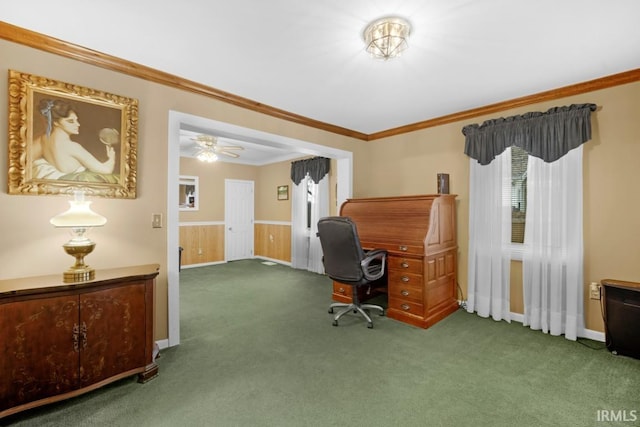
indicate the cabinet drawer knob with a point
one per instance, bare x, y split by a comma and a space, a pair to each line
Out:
342, 291
404, 264
405, 279
405, 307
403, 248
404, 292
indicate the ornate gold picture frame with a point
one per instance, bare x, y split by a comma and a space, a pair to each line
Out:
64, 137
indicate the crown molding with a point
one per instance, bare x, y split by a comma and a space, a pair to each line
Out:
575, 89
69, 50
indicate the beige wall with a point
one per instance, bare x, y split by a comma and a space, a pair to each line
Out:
400, 165
267, 205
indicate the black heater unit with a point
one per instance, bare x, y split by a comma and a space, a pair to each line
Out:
622, 317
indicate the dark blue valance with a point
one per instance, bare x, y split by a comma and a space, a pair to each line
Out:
548, 136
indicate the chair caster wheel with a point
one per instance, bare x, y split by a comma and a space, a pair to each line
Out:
335, 323
331, 310
370, 325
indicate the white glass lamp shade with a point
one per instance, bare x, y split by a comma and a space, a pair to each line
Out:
79, 217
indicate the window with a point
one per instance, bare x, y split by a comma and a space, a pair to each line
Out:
519, 159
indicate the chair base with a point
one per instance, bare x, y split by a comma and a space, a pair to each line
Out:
357, 308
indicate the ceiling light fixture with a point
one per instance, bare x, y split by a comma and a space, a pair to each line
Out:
387, 37
207, 151
207, 155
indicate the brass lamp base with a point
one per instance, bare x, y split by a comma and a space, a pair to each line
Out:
79, 272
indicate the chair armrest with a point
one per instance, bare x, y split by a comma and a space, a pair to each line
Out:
375, 254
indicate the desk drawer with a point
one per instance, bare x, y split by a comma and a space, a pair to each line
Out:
405, 292
402, 278
405, 306
396, 248
342, 289
404, 264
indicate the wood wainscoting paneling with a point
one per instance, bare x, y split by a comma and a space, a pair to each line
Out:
273, 240
201, 243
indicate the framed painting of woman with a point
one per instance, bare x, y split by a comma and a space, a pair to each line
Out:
65, 137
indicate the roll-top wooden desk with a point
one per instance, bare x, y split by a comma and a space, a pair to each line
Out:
419, 233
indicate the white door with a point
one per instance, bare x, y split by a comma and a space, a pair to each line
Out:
238, 219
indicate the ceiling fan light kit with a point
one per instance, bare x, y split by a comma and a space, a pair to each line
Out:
387, 37
209, 149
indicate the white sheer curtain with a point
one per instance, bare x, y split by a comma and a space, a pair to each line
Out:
319, 209
306, 252
553, 257
489, 238
299, 230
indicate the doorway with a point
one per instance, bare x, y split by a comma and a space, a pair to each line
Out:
177, 120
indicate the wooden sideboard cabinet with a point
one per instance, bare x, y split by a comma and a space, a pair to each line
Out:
59, 340
419, 234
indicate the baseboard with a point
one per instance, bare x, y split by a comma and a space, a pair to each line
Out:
585, 333
518, 317
203, 264
162, 344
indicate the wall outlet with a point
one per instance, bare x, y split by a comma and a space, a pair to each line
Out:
594, 290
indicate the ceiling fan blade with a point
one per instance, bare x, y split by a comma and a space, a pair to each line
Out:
220, 148
226, 153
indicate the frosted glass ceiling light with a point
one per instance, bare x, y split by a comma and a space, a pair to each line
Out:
386, 38
207, 155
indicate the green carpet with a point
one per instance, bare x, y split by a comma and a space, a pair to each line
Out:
258, 349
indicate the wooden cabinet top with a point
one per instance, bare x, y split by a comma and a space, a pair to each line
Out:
621, 284
53, 282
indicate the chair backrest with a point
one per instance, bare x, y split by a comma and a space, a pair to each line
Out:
342, 253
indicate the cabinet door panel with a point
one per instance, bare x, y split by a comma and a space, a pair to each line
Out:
37, 343
113, 332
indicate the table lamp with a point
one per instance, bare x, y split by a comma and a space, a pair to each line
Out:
79, 218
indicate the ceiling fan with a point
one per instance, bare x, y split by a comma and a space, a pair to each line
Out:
209, 148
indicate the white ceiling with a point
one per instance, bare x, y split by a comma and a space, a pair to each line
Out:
308, 58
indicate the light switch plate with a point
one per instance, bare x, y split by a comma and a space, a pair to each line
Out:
156, 220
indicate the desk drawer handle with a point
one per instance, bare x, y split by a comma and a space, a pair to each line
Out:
404, 293
405, 279
404, 264
403, 248
405, 307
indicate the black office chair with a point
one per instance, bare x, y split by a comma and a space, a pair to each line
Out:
346, 262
